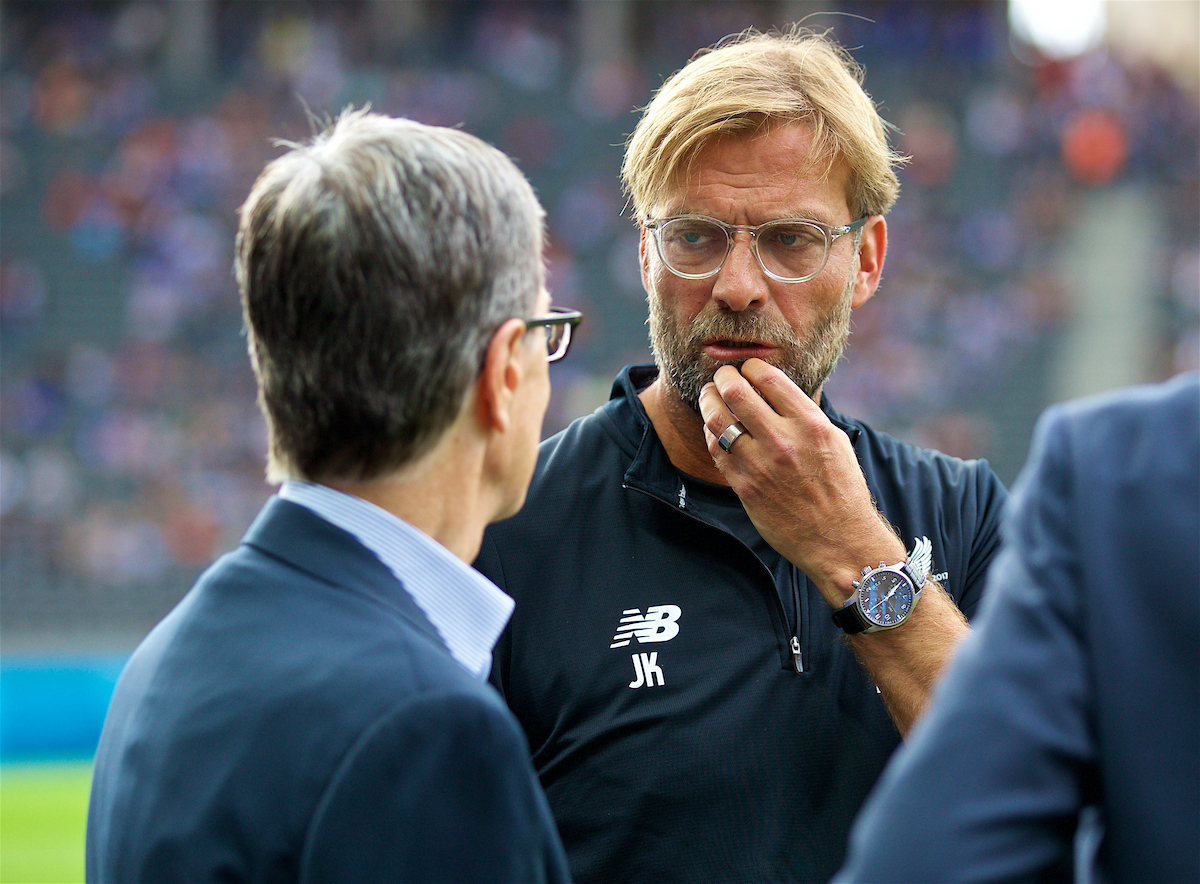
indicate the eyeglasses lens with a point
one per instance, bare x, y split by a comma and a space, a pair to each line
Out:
787, 249
792, 249
558, 336
692, 245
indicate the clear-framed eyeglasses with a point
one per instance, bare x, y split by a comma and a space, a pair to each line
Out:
557, 327
788, 250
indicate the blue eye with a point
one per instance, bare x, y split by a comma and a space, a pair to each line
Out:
793, 235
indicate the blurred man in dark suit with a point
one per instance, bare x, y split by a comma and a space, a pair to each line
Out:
316, 708
1081, 686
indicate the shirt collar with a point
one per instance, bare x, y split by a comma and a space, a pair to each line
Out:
467, 609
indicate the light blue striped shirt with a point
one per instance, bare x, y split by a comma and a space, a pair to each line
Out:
467, 609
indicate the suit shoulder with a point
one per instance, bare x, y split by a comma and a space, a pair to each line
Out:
1167, 411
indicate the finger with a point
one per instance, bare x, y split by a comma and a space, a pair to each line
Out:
712, 405
721, 444
741, 400
716, 414
777, 389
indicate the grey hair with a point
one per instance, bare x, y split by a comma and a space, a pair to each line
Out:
375, 263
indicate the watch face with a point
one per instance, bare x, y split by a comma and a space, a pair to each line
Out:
885, 598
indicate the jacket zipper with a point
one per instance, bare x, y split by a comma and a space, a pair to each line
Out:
794, 643
797, 657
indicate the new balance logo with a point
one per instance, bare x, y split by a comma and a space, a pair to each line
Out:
661, 624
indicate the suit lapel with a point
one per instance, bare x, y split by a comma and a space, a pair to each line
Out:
297, 536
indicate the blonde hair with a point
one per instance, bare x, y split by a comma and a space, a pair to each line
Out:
754, 83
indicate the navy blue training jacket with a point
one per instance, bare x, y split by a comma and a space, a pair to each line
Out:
651, 660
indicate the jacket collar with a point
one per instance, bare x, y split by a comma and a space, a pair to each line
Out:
299, 537
467, 609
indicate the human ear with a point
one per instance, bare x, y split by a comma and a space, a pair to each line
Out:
503, 369
872, 250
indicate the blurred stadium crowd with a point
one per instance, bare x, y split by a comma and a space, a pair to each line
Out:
132, 450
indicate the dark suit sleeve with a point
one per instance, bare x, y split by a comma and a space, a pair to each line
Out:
441, 790
990, 784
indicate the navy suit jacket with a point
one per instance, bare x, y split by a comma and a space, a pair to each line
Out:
1081, 685
298, 718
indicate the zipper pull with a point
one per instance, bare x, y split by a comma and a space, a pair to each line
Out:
797, 657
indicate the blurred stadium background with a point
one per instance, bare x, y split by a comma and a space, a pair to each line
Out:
1046, 244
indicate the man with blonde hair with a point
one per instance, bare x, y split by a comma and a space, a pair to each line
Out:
316, 708
718, 642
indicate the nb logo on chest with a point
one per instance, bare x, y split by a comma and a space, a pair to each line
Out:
659, 624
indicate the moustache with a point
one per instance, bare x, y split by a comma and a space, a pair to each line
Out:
727, 325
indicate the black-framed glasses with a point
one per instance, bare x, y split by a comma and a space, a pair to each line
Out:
789, 250
557, 327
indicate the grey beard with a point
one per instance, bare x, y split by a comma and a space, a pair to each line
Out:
686, 368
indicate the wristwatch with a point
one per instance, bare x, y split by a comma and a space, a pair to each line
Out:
885, 596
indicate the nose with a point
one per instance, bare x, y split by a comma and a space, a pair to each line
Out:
741, 283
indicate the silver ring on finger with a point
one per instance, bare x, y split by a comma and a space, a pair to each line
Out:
732, 433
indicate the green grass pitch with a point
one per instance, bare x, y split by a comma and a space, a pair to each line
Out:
43, 816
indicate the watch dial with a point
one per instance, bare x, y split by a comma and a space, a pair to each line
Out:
885, 598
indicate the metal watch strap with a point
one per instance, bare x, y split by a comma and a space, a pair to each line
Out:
919, 563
